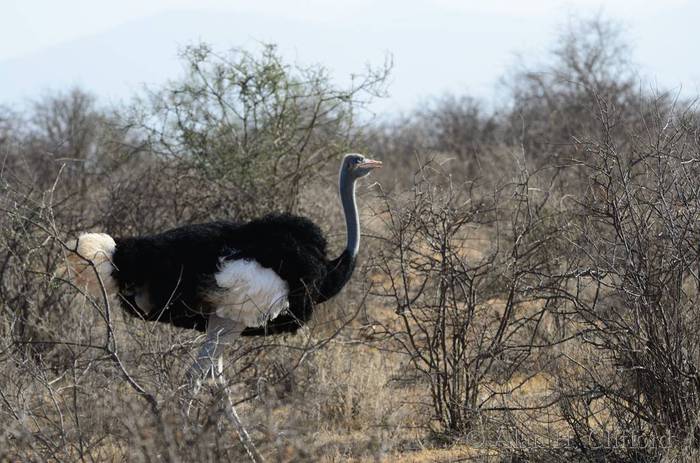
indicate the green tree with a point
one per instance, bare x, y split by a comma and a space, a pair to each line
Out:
252, 127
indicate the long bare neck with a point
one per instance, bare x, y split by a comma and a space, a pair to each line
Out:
352, 219
340, 269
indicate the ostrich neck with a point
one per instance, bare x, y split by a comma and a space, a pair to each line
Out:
340, 269
352, 220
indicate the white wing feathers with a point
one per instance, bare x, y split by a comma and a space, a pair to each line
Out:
248, 293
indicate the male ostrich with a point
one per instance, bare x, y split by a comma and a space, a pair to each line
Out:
225, 278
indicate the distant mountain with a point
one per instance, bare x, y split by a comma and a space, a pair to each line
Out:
430, 56
116, 63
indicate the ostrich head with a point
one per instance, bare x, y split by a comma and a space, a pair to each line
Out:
356, 166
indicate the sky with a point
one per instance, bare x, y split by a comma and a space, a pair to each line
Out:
114, 49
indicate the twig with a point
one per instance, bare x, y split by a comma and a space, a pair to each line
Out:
243, 435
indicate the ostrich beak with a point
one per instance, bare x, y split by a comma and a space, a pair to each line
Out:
372, 164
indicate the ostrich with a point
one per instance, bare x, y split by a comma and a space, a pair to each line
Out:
224, 278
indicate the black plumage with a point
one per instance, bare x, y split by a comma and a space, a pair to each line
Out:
175, 269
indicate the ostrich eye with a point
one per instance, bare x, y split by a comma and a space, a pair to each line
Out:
354, 162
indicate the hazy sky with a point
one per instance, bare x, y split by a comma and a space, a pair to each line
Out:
113, 48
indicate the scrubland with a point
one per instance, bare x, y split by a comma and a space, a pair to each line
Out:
527, 288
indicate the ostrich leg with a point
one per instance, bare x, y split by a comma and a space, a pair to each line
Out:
220, 332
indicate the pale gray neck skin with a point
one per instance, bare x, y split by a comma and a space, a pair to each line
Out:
352, 220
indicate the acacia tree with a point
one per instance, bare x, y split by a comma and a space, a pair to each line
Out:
252, 127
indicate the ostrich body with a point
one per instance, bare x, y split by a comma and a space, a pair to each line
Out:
225, 278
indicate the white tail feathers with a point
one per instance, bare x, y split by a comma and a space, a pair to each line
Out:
98, 249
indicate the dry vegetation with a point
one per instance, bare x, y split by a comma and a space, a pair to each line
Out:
528, 285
